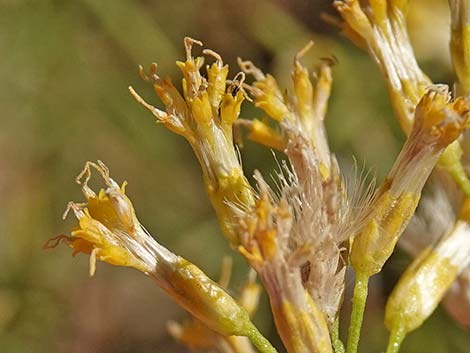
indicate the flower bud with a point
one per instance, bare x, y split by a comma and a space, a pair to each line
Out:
438, 122
426, 280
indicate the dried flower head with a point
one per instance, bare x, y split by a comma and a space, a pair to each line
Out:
266, 233
312, 193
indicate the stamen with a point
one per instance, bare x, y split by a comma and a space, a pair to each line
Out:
153, 74
217, 57
255, 91
238, 84
188, 45
249, 68
142, 74
86, 190
102, 169
105, 170
76, 208
55, 241
160, 114
239, 78
302, 52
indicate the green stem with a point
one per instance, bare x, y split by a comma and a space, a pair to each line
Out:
357, 314
338, 345
259, 341
396, 338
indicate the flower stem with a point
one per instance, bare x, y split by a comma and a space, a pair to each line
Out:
357, 314
259, 341
396, 338
338, 345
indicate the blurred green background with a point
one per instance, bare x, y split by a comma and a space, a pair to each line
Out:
65, 68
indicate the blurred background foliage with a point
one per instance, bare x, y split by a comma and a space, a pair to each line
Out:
65, 68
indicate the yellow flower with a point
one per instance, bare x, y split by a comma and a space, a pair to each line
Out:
109, 230
205, 115
380, 27
438, 122
302, 113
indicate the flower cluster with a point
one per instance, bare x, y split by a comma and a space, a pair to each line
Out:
300, 237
